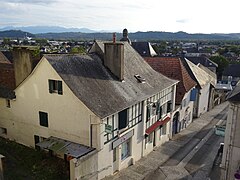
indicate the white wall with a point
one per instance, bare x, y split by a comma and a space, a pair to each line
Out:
203, 99
231, 152
187, 109
68, 117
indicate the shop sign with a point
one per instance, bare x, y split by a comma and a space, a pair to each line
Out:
122, 139
108, 128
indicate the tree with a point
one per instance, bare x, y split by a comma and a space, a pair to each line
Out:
222, 63
6, 41
78, 50
42, 42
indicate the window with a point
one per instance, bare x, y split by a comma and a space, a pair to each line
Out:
135, 114
55, 86
125, 151
164, 129
8, 104
38, 139
149, 138
169, 106
159, 111
43, 117
3, 131
122, 119
193, 95
140, 79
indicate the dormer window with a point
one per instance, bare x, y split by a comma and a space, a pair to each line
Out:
55, 86
139, 78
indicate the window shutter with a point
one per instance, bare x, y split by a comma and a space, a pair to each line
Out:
193, 94
148, 112
60, 91
160, 112
122, 119
50, 84
169, 105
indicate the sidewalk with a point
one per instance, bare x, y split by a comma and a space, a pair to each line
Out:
159, 155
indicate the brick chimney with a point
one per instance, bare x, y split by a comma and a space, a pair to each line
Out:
114, 58
24, 61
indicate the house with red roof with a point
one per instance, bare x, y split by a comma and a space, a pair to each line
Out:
173, 68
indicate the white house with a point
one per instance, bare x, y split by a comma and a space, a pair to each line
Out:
91, 109
183, 112
202, 89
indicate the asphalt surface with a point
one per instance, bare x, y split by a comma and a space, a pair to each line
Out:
168, 161
199, 166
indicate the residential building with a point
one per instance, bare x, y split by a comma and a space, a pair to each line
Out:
7, 84
145, 49
202, 89
172, 67
205, 61
231, 150
92, 109
213, 82
231, 74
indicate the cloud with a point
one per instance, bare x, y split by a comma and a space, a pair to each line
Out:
182, 20
29, 1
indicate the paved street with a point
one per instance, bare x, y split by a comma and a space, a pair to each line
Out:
189, 155
195, 159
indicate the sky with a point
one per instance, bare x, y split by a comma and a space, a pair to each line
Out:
192, 16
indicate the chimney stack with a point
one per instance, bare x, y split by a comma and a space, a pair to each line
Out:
24, 61
114, 58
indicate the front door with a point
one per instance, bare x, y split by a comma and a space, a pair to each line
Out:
115, 160
175, 123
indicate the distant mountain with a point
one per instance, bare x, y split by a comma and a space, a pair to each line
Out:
15, 34
141, 36
47, 29
137, 36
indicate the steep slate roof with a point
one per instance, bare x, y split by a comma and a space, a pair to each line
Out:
7, 76
3, 58
232, 70
172, 67
202, 60
6, 93
200, 75
8, 55
211, 75
144, 49
234, 95
99, 90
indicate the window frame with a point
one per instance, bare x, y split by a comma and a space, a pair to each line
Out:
128, 153
123, 115
43, 119
55, 86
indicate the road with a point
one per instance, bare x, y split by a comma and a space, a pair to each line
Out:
195, 159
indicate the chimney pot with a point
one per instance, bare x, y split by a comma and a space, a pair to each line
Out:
114, 38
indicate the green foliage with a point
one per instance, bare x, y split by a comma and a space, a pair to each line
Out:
222, 63
6, 41
42, 42
160, 48
78, 50
26, 163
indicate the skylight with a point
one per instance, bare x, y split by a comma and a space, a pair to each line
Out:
139, 78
